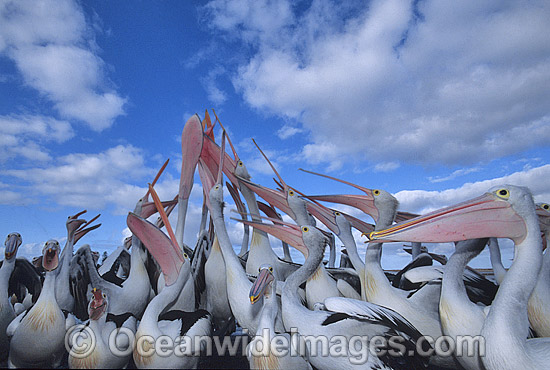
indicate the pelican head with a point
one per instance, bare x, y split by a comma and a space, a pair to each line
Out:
98, 304
501, 212
13, 241
264, 279
50, 255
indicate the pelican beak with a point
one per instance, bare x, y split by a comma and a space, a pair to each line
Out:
289, 233
265, 277
325, 215
98, 304
481, 217
13, 241
50, 255
363, 202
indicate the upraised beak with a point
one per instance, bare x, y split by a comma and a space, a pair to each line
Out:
289, 233
363, 202
265, 277
481, 217
274, 197
325, 215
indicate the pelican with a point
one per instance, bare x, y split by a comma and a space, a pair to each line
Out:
159, 318
503, 212
75, 231
105, 329
421, 309
7, 313
538, 306
320, 285
260, 250
342, 317
37, 336
460, 316
496, 262
262, 352
132, 295
238, 284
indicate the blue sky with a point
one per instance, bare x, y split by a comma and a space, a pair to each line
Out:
434, 101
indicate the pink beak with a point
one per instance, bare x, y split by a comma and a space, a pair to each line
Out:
484, 216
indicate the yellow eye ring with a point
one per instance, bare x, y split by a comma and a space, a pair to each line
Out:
305, 229
240, 163
291, 193
270, 269
545, 206
503, 193
376, 192
185, 255
336, 213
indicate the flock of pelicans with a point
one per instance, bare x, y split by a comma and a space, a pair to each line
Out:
157, 286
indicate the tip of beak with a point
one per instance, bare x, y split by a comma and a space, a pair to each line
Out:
370, 236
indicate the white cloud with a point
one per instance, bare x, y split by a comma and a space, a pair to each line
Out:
24, 135
88, 180
418, 82
421, 201
288, 131
215, 94
454, 175
53, 48
386, 167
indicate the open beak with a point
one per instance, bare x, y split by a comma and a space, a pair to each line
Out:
81, 231
73, 222
50, 255
484, 216
98, 304
265, 277
13, 241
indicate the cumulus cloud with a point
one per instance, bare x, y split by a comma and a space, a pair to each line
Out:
288, 131
421, 201
215, 94
88, 180
455, 174
25, 136
386, 167
52, 46
398, 81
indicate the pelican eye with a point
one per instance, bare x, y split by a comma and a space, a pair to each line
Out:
336, 213
270, 269
185, 255
291, 193
376, 192
503, 193
545, 206
104, 295
216, 187
240, 163
305, 229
